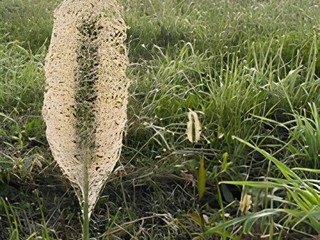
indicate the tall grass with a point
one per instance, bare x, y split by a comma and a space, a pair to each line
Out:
21, 227
289, 204
21, 125
29, 22
249, 69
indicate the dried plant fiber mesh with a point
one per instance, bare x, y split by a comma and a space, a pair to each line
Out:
86, 92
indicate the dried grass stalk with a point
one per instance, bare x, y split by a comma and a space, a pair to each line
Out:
193, 127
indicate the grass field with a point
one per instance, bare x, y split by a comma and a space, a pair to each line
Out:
249, 69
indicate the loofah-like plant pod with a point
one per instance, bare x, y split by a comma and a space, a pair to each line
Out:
86, 93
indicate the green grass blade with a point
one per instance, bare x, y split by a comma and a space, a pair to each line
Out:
286, 171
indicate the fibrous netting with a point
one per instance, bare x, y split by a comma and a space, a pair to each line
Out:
86, 92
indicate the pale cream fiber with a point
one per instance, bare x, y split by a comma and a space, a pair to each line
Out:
86, 92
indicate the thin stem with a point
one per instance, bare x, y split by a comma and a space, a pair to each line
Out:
85, 226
